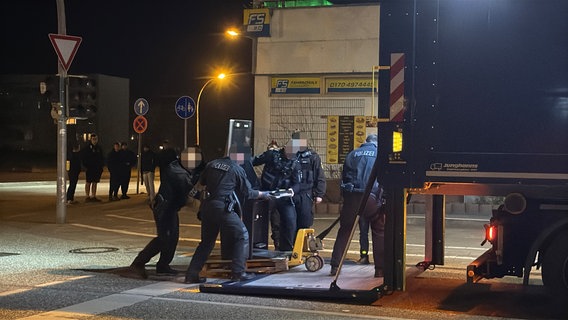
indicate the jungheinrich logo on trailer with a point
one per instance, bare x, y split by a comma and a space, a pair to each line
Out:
257, 22
295, 85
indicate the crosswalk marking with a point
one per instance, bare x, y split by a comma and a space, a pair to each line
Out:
111, 302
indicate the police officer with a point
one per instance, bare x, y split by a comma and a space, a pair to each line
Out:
312, 187
282, 173
273, 160
171, 197
225, 185
356, 171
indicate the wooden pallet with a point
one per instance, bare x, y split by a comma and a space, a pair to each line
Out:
217, 268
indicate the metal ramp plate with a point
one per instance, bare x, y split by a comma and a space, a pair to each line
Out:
355, 283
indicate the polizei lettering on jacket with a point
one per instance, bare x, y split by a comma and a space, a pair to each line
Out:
221, 166
365, 153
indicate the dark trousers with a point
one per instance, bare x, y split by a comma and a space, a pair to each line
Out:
288, 230
347, 217
304, 204
363, 236
216, 219
125, 180
114, 184
274, 217
73, 179
167, 226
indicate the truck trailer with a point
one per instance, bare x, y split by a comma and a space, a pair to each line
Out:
482, 110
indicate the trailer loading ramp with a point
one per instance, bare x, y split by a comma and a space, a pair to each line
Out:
355, 283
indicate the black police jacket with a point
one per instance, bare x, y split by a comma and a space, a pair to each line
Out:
313, 178
175, 185
357, 167
279, 172
222, 177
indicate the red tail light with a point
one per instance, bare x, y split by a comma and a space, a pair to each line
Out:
491, 233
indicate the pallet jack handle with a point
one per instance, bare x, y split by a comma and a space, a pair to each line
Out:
325, 232
370, 182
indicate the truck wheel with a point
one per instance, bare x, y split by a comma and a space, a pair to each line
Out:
555, 265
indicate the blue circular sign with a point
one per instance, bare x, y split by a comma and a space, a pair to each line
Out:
185, 107
141, 106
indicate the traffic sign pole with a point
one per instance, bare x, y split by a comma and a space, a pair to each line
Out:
184, 134
185, 108
141, 107
138, 163
61, 209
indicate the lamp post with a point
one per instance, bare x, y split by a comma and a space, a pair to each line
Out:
220, 76
61, 210
236, 33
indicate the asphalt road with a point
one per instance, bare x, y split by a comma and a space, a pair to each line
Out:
42, 270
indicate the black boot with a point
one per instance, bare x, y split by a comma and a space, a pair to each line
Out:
363, 260
242, 276
166, 271
135, 271
333, 271
194, 278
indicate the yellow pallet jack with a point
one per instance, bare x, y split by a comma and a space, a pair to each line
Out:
305, 251
306, 248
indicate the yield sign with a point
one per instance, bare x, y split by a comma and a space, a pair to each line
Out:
65, 46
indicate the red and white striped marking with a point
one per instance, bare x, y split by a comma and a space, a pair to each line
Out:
397, 87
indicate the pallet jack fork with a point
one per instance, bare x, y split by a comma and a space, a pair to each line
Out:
306, 249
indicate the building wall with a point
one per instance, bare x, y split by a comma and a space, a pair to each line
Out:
319, 42
341, 39
113, 102
29, 126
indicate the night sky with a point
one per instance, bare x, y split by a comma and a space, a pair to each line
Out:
166, 48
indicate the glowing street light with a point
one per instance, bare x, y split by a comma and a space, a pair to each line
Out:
220, 77
234, 33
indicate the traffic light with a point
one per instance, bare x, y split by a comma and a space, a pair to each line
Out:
51, 88
82, 97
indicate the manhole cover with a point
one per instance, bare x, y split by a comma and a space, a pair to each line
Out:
93, 250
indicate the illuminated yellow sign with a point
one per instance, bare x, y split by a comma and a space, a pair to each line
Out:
350, 85
257, 22
344, 133
292, 85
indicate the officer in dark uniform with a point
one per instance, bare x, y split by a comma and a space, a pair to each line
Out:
226, 185
312, 187
356, 171
274, 160
171, 197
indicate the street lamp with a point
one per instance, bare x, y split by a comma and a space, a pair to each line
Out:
234, 33
220, 76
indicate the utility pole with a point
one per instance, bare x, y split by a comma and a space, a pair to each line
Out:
61, 209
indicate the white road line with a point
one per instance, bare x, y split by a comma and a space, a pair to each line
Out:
52, 283
450, 247
111, 302
150, 221
129, 232
11, 292
154, 291
47, 284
